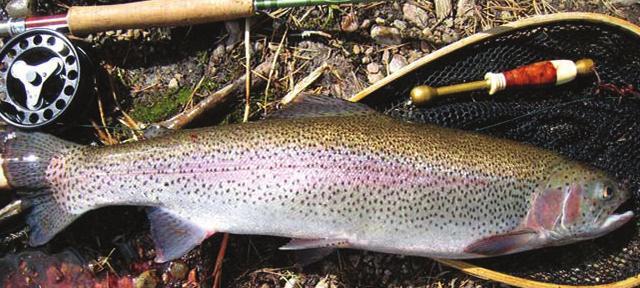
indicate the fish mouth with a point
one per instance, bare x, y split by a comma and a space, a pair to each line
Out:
619, 217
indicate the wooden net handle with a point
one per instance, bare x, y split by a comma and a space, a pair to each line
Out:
154, 13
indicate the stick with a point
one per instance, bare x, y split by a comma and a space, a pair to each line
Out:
313, 76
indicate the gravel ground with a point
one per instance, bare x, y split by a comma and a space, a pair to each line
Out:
147, 76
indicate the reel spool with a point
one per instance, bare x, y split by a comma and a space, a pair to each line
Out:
41, 75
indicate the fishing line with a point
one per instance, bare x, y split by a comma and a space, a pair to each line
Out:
537, 112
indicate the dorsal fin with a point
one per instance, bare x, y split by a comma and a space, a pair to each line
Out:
306, 106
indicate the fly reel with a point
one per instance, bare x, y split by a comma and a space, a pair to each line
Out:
41, 74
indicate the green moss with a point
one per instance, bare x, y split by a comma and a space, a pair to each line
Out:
165, 106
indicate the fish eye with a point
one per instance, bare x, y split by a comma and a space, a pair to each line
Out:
607, 192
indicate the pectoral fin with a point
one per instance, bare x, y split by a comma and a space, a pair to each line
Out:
173, 235
501, 244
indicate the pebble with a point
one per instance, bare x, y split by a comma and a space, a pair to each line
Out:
173, 83
349, 23
218, 54
397, 62
380, 21
427, 33
373, 68
386, 35
365, 24
373, 73
369, 51
178, 270
415, 15
366, 60
450, 37
20, 8
356, 49
373, 78
400, 24
146, 279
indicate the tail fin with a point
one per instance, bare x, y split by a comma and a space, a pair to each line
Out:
26, 157
47, 217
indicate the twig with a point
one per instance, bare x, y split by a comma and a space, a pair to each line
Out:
247, 53
273, 66
218, 267
193, 93
107, 136
304, 83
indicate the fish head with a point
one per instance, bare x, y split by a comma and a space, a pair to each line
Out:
576, 203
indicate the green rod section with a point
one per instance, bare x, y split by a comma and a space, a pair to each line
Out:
271, 4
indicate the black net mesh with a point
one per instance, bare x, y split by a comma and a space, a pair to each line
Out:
592, 120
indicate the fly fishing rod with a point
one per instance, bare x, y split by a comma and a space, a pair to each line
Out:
81, 20
42, 72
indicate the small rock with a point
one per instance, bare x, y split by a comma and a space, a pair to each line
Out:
365, 24
366, 60
373, 68
415, 15
380, 21
369, 51
349, 23
258, 46
448, 23
292, 282
20, 8
373, 78
356, 49
219, 52
414, 56
427, 33
397, 62
173, 83
386, 35
400, 24
450, 37
373, 73
146, 279
505, 15
178, 270
424, 46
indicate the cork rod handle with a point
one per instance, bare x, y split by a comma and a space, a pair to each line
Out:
154, 13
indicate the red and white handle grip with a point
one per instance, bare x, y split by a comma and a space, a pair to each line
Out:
545, 73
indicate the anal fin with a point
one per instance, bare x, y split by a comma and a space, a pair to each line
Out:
173, 235
313, 250
299, 244
46, 218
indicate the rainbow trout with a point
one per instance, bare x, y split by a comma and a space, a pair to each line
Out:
326, 173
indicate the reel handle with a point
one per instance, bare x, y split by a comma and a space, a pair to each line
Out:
154, 13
